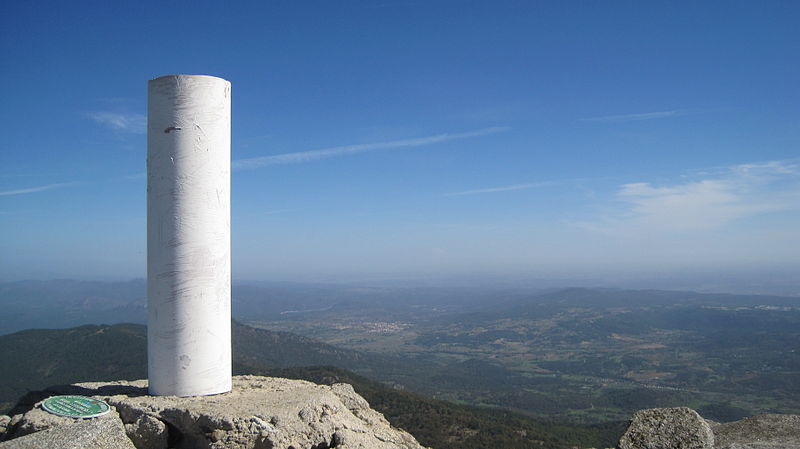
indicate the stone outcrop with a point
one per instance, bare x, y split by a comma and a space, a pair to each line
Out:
274, 413
668, 428
683, 428
260, 413
98, 433
759, 432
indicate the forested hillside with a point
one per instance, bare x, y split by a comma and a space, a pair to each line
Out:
92, 353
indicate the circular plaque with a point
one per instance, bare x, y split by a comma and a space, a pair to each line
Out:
75, 406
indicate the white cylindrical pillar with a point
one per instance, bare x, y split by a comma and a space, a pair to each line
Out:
188, 235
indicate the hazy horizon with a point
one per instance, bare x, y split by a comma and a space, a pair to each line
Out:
744, 282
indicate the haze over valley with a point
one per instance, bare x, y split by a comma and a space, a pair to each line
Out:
583, 355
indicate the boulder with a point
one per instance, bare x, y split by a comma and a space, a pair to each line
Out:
667, 428
4, 422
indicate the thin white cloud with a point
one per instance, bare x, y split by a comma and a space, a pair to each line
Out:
281, 211
314, 155
767, 169
723, 197
637, 117
37, 189
498, 189
125, 122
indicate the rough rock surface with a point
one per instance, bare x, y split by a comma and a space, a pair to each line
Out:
667, 428
759, 432
260, 413
100, 433
36, 420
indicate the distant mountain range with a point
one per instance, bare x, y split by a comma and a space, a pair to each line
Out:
63, 303
68, 303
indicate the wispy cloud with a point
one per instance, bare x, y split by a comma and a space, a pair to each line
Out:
281, 211
640, 116
37, 189
314, 155
722, 197
124, 122
498, 189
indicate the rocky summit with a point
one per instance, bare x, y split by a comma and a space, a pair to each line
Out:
260, 413
275, 413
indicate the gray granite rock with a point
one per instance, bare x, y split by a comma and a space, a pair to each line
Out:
96, 433
4, 422
260, 412
759, 432
667, 428
37, 420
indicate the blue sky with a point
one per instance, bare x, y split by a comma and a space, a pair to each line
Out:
544, 139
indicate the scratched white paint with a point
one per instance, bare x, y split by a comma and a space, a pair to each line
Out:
188, 235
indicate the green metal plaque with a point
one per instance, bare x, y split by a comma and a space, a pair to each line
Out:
75, 406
